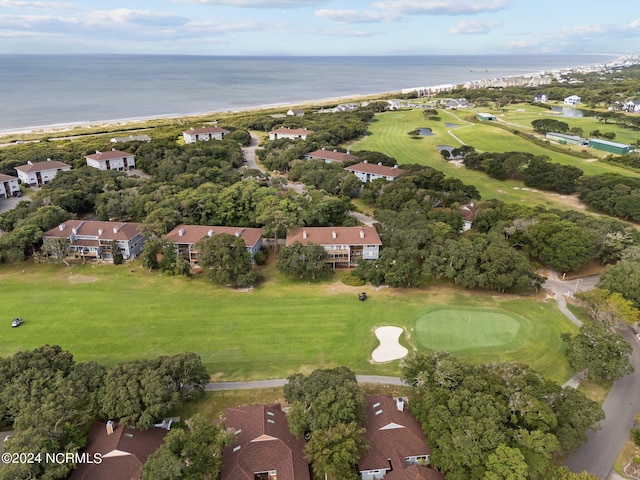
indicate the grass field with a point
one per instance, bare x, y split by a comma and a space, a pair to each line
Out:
466, 330
117, 313
389, 134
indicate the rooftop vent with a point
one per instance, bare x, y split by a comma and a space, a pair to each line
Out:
304, 234
334, 234
378, 412
361, 233
100, 231
109, 427
400, 404
181, 232
62, 226
210, 233
116, 229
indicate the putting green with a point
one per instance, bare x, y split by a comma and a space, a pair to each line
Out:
457, 330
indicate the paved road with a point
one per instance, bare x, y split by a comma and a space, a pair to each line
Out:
362, 218
250, 153
602, 448
560, 288
598, 455
280, 382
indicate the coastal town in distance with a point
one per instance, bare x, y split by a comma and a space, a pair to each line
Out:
307, 240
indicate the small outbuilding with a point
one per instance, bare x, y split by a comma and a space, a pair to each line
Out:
486, 117
564, 139
611, 147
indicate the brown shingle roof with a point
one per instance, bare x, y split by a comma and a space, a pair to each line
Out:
376, 169
468, 211
292, 131
129, 449
415, 472
6, 178
99, 230
392, 434
42, 166
196, 131
264, 443
108, 155
331, 155
192, 233
343, 236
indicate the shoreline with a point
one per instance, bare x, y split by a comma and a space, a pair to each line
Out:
71, 126
61, 128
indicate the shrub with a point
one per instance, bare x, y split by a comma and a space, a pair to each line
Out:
352, 280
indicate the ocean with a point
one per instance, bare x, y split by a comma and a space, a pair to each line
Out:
39, 91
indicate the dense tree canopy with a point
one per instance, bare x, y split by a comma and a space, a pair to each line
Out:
623, 278
227, 259
599, 351
303, 261
496, 420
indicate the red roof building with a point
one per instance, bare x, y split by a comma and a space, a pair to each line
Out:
290, 133
39, 173
398, 446
264, 448
122, 450
111, 160
344, 245
330, 156
204, 134
94, 239
368, 172
185, 238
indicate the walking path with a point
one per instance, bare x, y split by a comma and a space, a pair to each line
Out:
250, 153
281, 382
602, 448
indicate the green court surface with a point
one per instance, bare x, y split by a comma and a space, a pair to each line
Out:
456, 330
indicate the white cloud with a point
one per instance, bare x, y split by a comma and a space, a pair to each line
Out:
394, 10
36, 4
578, 37
260, 3
125, 16
473, 27
356, 16
441, 7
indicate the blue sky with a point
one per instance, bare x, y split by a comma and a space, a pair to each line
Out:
319, 27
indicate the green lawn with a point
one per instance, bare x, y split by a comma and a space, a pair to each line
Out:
463, 330
389, 134
116, 313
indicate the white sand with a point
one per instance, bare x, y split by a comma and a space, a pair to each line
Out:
390, 348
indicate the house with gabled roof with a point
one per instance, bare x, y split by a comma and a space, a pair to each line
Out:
330, 156
264, 448
40, 173
185, 237
295, 112
344, 245
204, 134
95, 240
368, 172
290, 133
398, 448
9, 186
572, 100
122, 451
111, 160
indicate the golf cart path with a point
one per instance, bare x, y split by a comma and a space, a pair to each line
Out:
281, 382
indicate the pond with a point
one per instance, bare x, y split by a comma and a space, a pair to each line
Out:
568, 112
425, 132
451, 125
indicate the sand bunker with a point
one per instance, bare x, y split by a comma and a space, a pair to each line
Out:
390, 348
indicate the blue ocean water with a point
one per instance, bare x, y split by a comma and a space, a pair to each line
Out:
47, 90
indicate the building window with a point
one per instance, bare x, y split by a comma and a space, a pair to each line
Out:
270, 475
